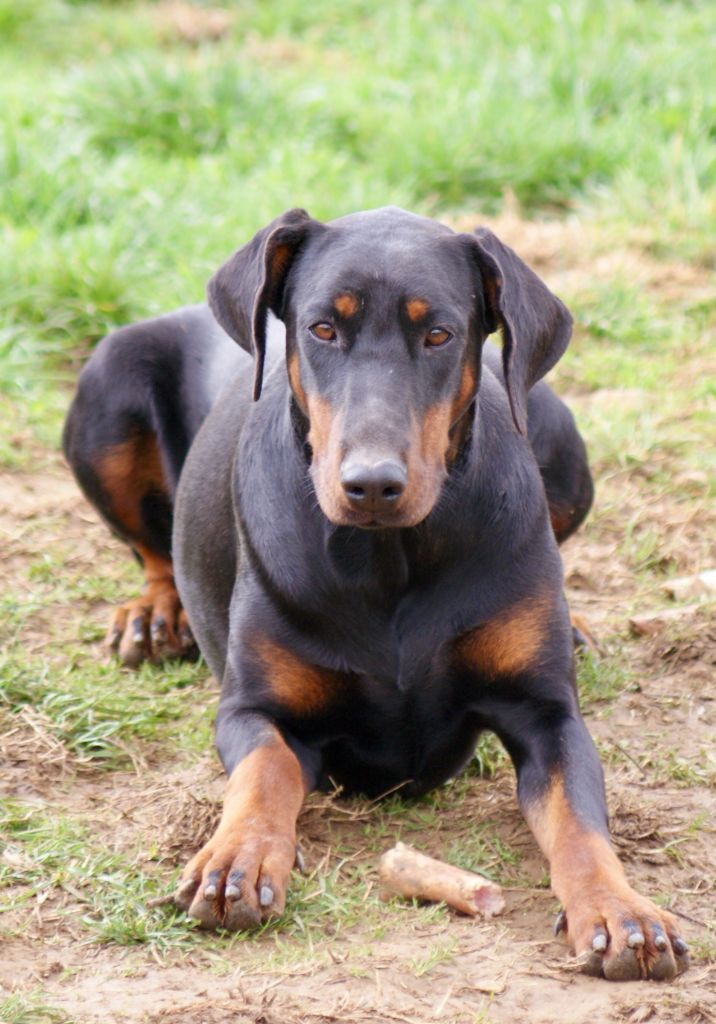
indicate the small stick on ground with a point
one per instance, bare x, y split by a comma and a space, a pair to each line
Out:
414, 875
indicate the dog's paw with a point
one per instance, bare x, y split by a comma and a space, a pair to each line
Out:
153, 627
240, 878
623, 937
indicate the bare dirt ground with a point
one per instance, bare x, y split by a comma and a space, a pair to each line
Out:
655, 733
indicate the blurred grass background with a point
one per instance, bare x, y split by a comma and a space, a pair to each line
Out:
140, 143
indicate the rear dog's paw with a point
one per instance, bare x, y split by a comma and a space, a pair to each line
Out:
153, 628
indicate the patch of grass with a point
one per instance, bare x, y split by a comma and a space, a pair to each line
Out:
54, 855
489, 757
332, 900
126, 122
102, 713
482, 850
600, 679
483, 1015
30, 1008
643, 547
669, 765
437, 953
621, 312
704, 947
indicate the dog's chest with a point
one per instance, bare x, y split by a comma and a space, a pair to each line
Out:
375, 735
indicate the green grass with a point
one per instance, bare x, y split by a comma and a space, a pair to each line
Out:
131, 163
101, 713
600, 678
30, 1008
55, 856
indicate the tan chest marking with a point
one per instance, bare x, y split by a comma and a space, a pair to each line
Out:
302, 689
509, 643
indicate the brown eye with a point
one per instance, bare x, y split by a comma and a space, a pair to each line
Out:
438, 336
323, 331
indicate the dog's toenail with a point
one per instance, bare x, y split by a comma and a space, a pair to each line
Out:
560, 923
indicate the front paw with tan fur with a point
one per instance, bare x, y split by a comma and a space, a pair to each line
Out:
621, 936
240, 878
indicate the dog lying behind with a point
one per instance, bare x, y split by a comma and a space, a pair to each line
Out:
367, 555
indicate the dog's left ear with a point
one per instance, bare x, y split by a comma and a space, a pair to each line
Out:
536, 326
251, 283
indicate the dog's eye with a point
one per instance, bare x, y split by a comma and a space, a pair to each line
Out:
438, 336
323, 331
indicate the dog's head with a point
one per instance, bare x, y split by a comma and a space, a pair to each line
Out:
385, 316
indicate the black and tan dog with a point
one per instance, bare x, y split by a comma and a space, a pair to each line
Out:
368, 555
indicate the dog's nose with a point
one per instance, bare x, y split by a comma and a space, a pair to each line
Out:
374, 488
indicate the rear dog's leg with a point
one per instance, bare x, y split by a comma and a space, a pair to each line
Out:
128, 484
125, 439
140, 402
139, 505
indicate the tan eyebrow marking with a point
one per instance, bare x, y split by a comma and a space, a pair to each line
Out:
346, 305
416, 308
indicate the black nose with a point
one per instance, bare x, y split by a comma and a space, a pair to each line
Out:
374, 488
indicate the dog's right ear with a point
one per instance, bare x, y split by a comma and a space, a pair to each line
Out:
251, 283
536, 326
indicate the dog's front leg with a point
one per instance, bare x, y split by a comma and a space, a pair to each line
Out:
620, 934
240, 877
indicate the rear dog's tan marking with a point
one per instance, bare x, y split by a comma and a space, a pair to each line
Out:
416, 309
302, 689
157, 568
509, 643
158, 604
580, 624
160, 593
562, 517
346, 305
128, 472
